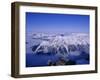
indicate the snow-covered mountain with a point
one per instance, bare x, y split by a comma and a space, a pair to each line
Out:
62, 44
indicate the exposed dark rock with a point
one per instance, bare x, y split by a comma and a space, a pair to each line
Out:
34, 47
26, 42
70, 62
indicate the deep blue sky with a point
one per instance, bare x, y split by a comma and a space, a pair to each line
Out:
58, 23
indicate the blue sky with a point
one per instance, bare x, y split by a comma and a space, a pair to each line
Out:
56, 23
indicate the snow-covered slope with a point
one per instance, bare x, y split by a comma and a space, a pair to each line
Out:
67, 43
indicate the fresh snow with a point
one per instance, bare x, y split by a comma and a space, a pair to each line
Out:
64, 44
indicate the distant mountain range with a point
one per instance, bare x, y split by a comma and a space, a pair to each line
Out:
59, 44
